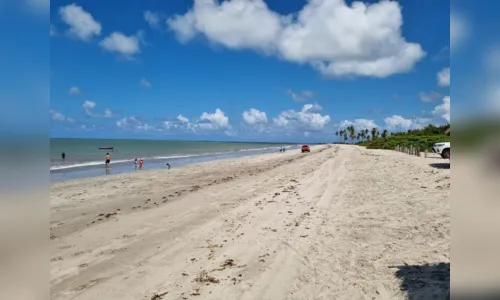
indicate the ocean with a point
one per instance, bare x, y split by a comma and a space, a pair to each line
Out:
84, 159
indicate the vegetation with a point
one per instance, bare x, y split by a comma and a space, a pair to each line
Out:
373, 139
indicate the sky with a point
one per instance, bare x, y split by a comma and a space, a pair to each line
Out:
249, 70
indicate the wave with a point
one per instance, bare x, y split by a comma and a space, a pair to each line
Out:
129, 160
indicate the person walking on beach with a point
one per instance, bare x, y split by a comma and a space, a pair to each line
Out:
108, 159
63, 155
168, 166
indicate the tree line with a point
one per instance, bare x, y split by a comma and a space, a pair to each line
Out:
350, 133
374, 139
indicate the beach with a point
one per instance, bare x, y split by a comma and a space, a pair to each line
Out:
341, 222
84, 158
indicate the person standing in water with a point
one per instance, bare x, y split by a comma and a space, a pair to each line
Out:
140, 164
108, 159
168, 166
135, 163
63, 156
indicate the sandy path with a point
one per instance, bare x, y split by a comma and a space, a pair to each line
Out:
325, 225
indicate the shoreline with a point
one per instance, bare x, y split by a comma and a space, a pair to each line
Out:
343, 220
120, 166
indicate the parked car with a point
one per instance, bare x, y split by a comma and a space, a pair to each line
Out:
305, 148
442, 149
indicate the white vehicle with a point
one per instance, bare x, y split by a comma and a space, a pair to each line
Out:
442, 149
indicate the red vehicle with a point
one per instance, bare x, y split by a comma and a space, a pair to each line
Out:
305, 148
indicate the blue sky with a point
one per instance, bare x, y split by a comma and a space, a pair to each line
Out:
247, 70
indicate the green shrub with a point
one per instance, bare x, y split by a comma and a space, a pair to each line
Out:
422, 138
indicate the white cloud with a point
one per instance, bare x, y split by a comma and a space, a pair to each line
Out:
443, 110
152, 18
119, 43
398, 122
145, 83
108, 113
300, 96
180, 122
313, 107
443, 77
57, 116
81, 23
322, 34
306, 119
145, 127
88, 106
401, 123
133, 123
307, 134
215, 121
182, 119
430, 96
88, 127
74, 90
254, 117
358, 124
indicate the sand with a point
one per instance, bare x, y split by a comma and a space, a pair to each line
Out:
341, 222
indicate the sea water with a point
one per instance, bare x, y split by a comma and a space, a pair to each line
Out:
84, 159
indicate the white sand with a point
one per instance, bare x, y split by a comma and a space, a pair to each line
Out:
332, 224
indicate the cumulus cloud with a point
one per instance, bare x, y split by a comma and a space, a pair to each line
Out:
401, 123
88, 106
430, 96
443, 110
322, 34
152, 18
57, 116
306, 119
301, 96
119, 43
254, 116
398, 122
74, 90
134, 123
443, 77
145, 83
214, 121
81, 23
182, 119
107, 113
358, 124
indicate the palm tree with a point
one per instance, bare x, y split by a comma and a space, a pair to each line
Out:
336, 134
367, 137
345, 137
352, 133
366, 134
342, 133
374, 133
362, 134
385, 133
